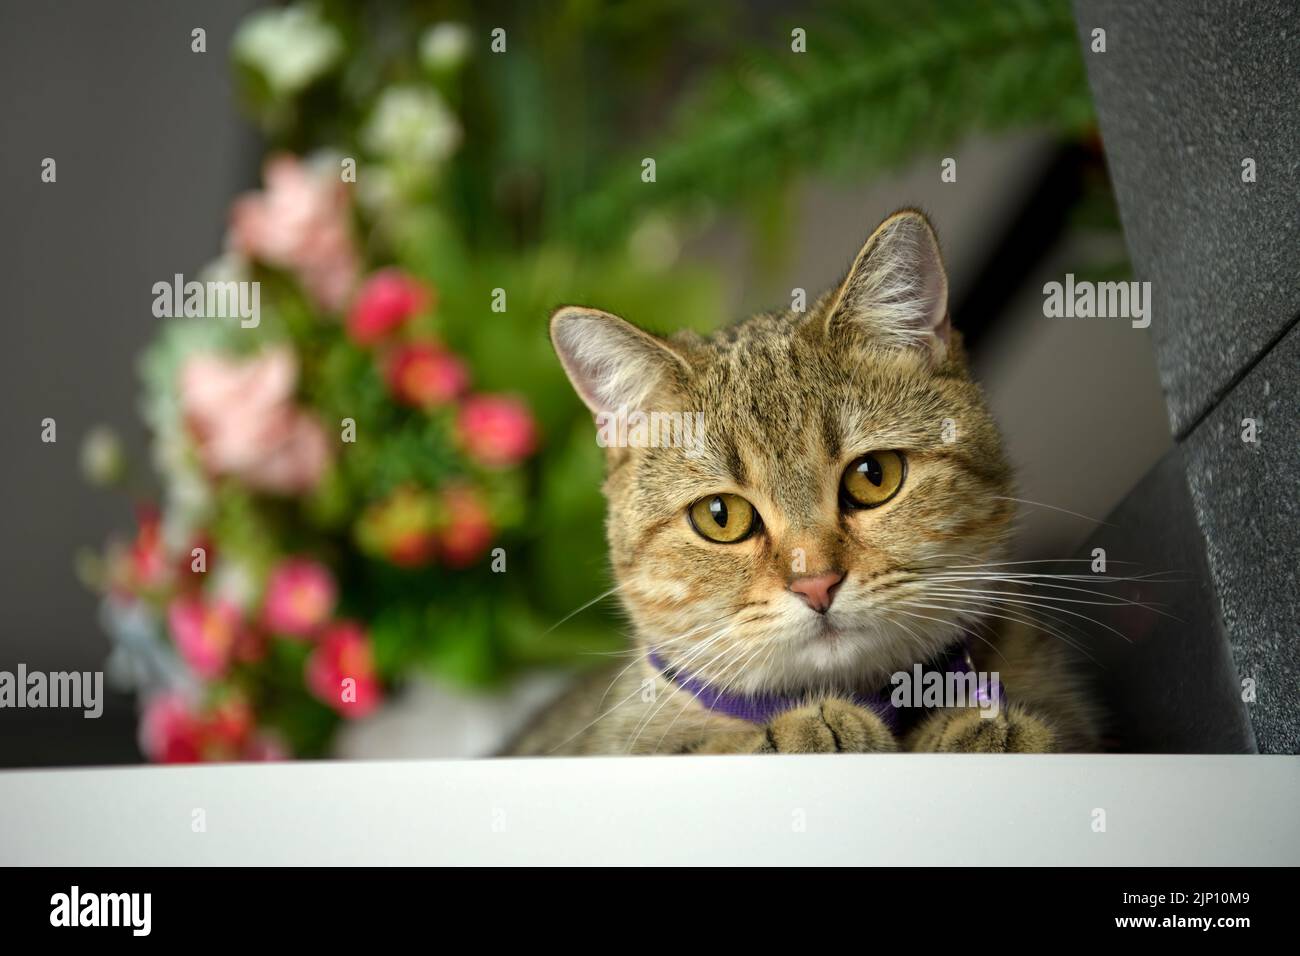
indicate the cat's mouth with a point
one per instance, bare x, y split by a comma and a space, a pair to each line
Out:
826, 630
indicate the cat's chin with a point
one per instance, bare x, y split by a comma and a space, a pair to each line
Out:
850, 654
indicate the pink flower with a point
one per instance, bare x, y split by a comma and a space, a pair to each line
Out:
341, 670
173, 731
169, 731
496, 430
242, 415
300, 597
300, 222
426, 376
384, 303
469, 527
206, 634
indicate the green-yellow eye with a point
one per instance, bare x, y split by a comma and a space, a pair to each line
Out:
873, 478
725, 519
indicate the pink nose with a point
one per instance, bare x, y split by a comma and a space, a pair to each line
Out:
817, 590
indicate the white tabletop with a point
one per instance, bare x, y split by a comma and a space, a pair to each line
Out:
834, 809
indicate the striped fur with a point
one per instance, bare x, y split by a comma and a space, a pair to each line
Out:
789, 400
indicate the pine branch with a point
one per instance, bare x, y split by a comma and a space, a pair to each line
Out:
877, 85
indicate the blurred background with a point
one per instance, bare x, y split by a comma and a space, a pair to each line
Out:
415, 186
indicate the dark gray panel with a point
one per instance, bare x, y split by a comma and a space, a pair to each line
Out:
1166, 678
150, 150
1247, 499
1185, 91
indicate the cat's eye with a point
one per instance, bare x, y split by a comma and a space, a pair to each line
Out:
872, 479
725, 519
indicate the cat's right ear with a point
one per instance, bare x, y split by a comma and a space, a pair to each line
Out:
610, 362
897, 289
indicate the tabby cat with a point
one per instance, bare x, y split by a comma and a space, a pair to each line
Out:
827, 530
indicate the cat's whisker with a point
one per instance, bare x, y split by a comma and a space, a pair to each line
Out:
636, 653
599, 717
970, 606
1001, 564
694, 654
1040, 504
912, 635
703, 669
1155, 577
945, 623
1032, 621
970, 617
1001, 598
1112, 599
738, 671
572, 614
1109, 599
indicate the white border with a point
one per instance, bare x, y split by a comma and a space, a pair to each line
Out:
879, 809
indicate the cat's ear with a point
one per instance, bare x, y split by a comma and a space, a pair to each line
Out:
897, 290
610, 362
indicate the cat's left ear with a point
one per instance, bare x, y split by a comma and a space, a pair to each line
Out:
897, 290
611, 363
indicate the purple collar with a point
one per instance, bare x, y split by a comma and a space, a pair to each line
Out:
760, 708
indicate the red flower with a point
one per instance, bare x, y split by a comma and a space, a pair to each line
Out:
148, 559
227, 729
469, 528
402, 528
384, 303
341, 670
169, 731
425, 375
496, 430
412, 549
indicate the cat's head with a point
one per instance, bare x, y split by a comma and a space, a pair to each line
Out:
846, 459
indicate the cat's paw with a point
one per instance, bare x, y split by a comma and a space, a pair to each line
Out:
832, 726
966, 730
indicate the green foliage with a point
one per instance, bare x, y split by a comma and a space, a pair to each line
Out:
881, 82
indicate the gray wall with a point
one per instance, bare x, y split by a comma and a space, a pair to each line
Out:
149, 151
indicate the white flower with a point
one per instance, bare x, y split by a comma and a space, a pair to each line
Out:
289, 47
444, 46
412, 125
102, 461
234, 581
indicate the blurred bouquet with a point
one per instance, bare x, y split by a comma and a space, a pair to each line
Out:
331, 479
338, 494
385, 472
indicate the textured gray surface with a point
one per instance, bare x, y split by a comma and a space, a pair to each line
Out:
1163, 670
1247, 499
1185, 92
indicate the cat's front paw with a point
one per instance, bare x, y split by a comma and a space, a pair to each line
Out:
966, 730
832, 726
